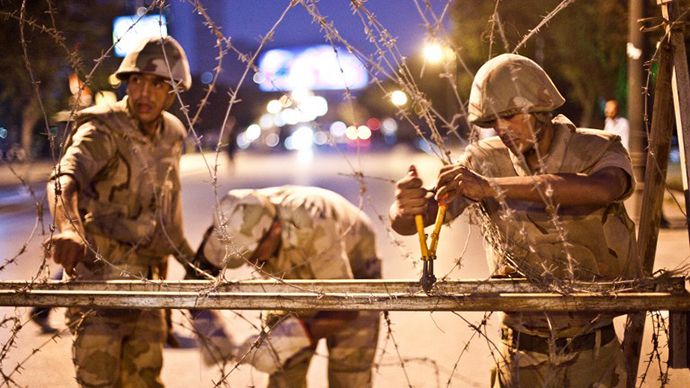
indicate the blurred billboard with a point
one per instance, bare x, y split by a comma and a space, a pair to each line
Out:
312, 68
129, 30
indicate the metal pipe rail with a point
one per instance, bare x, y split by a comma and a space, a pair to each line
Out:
492, 285
393, 295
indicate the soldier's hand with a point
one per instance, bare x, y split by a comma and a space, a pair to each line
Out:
456, 181
410, 197
66, 248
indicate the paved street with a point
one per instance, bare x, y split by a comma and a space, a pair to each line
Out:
430, 344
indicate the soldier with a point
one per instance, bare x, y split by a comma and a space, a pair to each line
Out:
115, 199
294, 232
552, 195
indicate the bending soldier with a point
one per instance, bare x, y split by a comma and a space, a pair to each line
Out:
115, 199
551, 196
294, 232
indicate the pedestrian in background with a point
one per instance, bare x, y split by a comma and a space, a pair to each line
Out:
620, 126
617, 124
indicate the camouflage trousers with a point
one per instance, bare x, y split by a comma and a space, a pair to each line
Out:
603, 365
350, 357
118, 348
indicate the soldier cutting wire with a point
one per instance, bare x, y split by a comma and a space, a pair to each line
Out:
552, 195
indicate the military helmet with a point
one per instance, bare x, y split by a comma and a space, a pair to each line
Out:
245, 217
510, 84
148, 57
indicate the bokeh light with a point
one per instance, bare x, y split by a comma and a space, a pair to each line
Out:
399, 98
274, 107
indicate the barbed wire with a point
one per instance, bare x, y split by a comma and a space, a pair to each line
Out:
387, 66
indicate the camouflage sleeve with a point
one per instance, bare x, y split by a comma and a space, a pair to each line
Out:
200, 261
90, 151
184, 250
617, 156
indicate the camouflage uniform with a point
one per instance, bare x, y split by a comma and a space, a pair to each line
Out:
596, 243
323, 237
600, 242
129, 201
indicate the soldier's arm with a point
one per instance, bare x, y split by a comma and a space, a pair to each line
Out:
63, 201
90, 151
67, 247
567, 189
200, 267
598, 189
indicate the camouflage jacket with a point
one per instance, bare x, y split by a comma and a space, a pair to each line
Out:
129, 184
598, 243
323, 237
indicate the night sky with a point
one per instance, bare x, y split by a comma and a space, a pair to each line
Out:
245, 21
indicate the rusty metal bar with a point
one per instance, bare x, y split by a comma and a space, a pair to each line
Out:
506, 285
484, 295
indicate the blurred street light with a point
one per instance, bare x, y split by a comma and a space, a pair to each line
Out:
442, 58
299, 95
351, 132
434, 52
253, 132
274, 106
399, 98
363, 132
266, 121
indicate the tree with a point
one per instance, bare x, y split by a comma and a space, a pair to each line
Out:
59, 38
582, 47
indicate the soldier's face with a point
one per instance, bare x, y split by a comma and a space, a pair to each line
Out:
517, 132
148, 95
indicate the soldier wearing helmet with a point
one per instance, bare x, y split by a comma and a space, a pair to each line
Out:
551, 198
294, 232
115, 199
